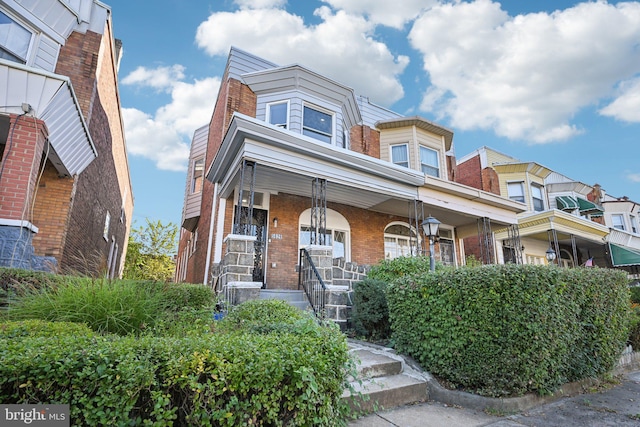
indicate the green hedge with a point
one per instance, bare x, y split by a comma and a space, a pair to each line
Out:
505, 330
239, 377
370, 314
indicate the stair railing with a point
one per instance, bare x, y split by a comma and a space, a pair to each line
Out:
310, 280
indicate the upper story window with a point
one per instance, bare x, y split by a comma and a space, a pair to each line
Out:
317, 124
400, 155
516, 191
198, 175
537, 198
617, 220
429, 161
278, 114
14, 40
634, 224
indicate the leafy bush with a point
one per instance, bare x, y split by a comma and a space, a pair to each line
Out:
370, 314
634, 328
504, 330
178, 296
223, 379
119, 307
389, 270
635, 294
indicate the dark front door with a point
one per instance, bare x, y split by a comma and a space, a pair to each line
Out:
259, 230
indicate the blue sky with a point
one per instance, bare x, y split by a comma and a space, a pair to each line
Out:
555, 82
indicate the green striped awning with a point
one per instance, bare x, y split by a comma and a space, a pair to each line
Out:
567, 203
623, 256
588, 207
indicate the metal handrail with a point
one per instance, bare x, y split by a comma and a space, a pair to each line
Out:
309, 279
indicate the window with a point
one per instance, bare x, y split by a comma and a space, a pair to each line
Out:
536, 198
634, 224
198, 175
516, 191
336, 234
618, 221
399, 240
429, 161
14, 40
277, 114
105, 232
400, 155
317, 124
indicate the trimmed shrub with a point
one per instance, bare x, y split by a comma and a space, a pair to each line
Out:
389, 270
635, 294
224, 379
505, 330
178, 296
370, 313
634, 328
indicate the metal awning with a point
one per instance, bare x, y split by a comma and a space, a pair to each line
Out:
587, 207
623, 256
567, 203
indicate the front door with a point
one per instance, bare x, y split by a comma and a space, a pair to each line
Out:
259, 230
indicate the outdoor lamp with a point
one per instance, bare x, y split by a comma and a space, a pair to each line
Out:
430, 227
550, 254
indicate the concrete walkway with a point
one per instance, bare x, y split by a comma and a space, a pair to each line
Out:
617, 405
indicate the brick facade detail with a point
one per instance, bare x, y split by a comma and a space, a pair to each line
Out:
364, 140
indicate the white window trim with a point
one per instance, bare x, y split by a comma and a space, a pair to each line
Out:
107, 224
396, 236
335, 222
438, 167
268, 113
332, 140
406, 146
622, 221
27, 28
524, 194
542, 194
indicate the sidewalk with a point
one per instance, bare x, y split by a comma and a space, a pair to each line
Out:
617, 406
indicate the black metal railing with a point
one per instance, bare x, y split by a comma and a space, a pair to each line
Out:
310, 280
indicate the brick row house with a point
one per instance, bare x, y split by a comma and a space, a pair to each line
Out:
578, 224
292, 159
65, 191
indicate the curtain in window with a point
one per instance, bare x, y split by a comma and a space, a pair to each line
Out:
400, 155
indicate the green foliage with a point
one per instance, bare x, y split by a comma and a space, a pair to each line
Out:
223, 379
472, 261
634, 328
635, 294
119, 307
16, 282
370, 313
505, 330
150, 252
178, 296
389, 270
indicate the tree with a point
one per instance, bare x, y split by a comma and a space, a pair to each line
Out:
150, 252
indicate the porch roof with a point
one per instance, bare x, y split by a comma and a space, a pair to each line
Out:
567, 203
623, 256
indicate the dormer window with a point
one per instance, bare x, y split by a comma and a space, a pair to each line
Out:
400, 155
278, 114
537, 197
516, 191
14, 40
317, 124
429, 162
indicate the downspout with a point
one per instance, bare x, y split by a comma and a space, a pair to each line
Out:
210, 239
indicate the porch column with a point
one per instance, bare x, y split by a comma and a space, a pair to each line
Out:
237, 270
318, 212
485, 238
243, 217
19, 171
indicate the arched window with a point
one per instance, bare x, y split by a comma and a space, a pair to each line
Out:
399, 240
338, 233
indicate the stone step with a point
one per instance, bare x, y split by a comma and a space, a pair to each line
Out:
384, 380
293, 297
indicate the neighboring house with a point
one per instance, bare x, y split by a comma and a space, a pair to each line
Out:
621, 215
293, 159
65, 190
575, 221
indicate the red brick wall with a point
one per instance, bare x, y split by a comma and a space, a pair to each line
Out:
51, 212
365, 140
21, 166
471, 174
97, 189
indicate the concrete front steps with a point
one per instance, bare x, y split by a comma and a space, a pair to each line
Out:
384, 380
293, 297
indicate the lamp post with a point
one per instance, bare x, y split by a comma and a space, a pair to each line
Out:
430, 227
551, 255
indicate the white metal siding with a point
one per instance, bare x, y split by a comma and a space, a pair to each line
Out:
46, 54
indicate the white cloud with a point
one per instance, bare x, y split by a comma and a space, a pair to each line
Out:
390, 13
627, 106
260, 4
633, 177
340, 47
160, 78
525, 77
165, 137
